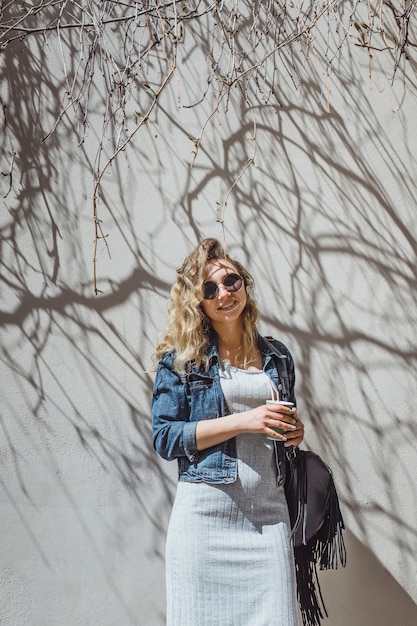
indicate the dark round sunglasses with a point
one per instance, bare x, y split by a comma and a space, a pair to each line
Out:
232, 282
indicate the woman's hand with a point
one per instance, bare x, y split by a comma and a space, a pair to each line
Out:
265, 417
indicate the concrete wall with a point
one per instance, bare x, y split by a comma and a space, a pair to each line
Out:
326, 221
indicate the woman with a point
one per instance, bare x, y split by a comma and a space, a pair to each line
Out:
229, 559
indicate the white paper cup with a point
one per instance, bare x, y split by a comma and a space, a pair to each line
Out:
280, 431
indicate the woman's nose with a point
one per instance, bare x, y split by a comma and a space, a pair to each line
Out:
222, 290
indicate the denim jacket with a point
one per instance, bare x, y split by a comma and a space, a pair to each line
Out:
181, 400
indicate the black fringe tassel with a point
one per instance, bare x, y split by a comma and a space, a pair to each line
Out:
325, 550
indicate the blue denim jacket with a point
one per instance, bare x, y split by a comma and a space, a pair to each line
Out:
181, 400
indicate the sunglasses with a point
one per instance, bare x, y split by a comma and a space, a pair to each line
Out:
232, 282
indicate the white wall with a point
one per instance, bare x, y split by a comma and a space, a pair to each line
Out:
325, 221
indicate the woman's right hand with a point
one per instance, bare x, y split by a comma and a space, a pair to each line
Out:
268, 416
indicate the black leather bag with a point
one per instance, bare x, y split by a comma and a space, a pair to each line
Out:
317, 527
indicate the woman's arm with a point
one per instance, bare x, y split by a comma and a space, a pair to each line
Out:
260, 420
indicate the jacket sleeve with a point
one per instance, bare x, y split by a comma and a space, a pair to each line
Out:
172, 432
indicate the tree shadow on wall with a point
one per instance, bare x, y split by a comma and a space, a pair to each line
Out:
58, 338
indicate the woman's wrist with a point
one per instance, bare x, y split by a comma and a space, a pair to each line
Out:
214, 431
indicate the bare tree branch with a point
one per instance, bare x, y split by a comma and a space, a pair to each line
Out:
121, 48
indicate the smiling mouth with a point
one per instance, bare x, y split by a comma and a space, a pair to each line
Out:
228, 307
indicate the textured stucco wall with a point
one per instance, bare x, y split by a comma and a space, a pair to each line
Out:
326, 222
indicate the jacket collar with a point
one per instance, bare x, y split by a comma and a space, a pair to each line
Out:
265, 346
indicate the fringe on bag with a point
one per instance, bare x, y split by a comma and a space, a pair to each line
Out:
317, 529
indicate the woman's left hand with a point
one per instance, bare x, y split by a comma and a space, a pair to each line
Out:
295, 437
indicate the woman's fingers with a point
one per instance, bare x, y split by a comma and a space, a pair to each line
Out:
297, 435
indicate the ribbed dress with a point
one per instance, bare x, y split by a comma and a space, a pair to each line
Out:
229, 560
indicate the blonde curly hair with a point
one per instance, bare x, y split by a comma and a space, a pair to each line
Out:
188, 332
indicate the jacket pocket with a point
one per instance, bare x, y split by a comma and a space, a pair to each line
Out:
202, 398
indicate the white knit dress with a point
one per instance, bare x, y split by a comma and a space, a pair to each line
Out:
229, 560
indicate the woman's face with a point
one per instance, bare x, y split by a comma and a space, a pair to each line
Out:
226, 307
